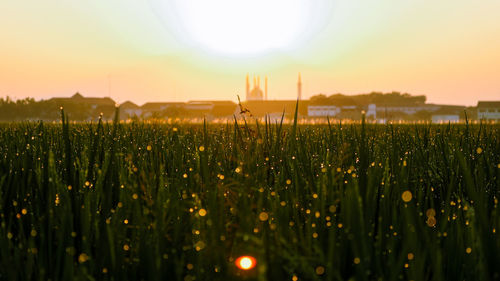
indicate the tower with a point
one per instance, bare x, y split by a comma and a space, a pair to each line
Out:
299, 88
265, 88
248, 87
254, 94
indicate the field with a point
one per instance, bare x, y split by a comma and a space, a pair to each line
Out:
153, 201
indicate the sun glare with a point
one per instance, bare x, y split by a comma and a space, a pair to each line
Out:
238, 27
246, 262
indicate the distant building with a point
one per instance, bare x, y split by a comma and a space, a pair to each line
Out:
190, 109
488, 110
129, 109
256, 93
224, 109
151, 108
92, 102
211, 109
407, 109
372, 111
199, 105
445, 118
160, 106
275, 107
344, 111
322, 110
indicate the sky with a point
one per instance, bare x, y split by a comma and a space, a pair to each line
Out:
180, 50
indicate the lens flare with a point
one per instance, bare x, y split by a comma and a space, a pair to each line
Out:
246, 262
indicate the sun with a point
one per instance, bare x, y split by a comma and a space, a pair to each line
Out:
245, 262
241, 26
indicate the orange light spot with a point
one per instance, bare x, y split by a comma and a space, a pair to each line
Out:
202, 212
406, 196
430, 212
263, 216
246, 262
431, 221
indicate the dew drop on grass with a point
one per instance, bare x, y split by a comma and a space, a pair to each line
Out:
83, 258
202, 212
406, 196
200, 245
431, 221
263, 216
430, 212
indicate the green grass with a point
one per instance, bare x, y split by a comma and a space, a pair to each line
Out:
116, 201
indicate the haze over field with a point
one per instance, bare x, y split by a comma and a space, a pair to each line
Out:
182, 50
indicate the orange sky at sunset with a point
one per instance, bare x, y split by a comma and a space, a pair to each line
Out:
181, 50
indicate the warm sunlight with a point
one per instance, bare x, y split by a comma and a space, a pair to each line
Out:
238, 27
249, 139
246, 262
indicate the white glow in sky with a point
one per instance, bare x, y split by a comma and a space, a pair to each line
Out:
241, 27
